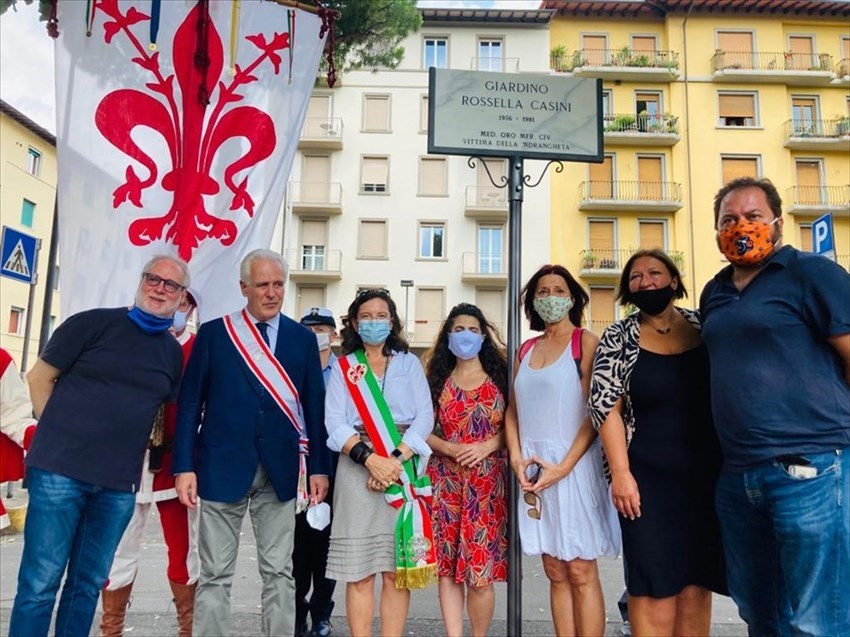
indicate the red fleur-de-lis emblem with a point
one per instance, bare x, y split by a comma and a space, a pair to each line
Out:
356, 373
193, 134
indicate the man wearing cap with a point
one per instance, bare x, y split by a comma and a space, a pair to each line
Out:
179, 523
310, 557
251, 437
96, 389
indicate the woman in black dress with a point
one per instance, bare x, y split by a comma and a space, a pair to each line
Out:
650, 402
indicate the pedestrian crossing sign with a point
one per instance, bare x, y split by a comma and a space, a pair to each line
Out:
17, 255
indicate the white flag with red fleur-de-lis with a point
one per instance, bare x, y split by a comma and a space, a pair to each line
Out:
178, 121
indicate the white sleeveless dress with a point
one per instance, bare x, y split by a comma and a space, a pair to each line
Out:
578, 518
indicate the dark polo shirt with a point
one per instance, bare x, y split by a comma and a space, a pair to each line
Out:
777, 385
113, 378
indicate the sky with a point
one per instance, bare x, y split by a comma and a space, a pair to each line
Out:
26, 56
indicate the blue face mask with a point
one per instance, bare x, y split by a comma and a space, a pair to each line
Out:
147, 322
180, 320
465, 344
373, 332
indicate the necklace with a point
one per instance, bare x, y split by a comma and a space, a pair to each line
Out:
663, 331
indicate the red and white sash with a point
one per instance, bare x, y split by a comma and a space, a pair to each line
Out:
274, 379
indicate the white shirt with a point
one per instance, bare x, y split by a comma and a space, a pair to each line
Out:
408, 397
274, 325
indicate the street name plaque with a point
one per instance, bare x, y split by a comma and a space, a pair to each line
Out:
528, 115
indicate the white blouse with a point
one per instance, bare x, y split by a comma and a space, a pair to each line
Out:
408, 397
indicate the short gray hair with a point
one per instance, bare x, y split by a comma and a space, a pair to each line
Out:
261, 254
180, 263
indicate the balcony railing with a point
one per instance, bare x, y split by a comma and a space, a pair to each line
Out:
642, 123
609, 262
497, 64
322, 128
598, 326
308, 262
624, 57
616, 195
486, 197
811, 134
813, 199
842, 70
762, 61
315, 196
484, 263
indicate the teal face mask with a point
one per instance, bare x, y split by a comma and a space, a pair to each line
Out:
373, 332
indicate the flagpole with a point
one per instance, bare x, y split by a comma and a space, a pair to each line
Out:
50, 279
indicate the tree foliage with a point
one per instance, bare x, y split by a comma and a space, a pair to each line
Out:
367, 34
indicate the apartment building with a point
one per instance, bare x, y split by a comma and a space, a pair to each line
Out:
367, 205
27, 195
697, 93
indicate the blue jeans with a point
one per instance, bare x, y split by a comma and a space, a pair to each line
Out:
74, 524
787, 544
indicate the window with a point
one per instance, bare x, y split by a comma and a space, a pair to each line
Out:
804, 116
492, 304
373, 174
733, 167
313, 240
737, 109
55, 278
651, 177
652, 234
436, 53
648, 109
431, 240
809, 183
51, 325
594, 50
318, 122
736, 48
644, 44
309, 296
27, 213
490, 249
805, 237
802, 53
33, 162
490, 55
423, 114
16, 321
430, 312
372, 239
602, 309
601, 179
376, 113
432, 176
601, 243
607, 102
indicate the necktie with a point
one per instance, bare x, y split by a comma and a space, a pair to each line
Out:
264, 331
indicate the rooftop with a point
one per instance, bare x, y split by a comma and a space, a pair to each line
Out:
660, 8
26, 122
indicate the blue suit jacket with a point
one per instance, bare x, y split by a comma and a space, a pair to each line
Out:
227, 422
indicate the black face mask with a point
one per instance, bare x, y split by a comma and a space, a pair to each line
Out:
653, 302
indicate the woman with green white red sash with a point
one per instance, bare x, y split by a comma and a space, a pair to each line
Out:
378, 414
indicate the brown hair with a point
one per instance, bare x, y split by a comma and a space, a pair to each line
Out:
624, 296
580, 298
764, 184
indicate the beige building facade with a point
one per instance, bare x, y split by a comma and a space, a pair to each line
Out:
27, 197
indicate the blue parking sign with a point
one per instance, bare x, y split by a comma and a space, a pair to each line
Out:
823, 236
17, 255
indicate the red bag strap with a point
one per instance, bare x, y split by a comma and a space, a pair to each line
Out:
575, 347
526, 346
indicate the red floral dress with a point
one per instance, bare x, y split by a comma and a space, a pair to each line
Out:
470, 506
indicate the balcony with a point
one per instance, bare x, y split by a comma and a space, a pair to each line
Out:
315, 197
818, 134
818, 200
793, 69
495, 64
608, 264
619, 64
314, 264
486, 203
321, 133
484, 268
660, 196
640, 130
598, 326
842, 73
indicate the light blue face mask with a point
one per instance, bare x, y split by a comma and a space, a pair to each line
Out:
465, 344
373, 332
180, 320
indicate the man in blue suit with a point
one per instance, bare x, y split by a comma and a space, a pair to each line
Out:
250, 430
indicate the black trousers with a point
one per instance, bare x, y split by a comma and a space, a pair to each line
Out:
309, 562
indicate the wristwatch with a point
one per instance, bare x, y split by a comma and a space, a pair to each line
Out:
398, 454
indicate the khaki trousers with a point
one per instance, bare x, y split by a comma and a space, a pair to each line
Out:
274, 530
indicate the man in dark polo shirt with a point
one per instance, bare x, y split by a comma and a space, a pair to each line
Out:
95, 389
776, 322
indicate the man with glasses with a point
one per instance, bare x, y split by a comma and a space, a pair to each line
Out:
96, 390
250, 434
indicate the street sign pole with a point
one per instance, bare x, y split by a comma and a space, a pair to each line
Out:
30, 309
49, 280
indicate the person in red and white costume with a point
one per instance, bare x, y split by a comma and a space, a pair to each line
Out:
179, 524
17, 426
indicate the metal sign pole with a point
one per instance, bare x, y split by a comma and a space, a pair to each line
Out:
515, 188
30, 309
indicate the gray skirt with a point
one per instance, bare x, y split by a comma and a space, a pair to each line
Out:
363, 527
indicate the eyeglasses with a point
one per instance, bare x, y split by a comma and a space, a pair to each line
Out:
154, 280
378, 291
536, 510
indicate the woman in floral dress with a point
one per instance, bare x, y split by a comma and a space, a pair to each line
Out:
467, 373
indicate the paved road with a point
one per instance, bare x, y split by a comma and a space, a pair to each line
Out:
152, 614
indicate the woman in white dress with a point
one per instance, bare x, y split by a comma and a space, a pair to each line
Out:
565, 513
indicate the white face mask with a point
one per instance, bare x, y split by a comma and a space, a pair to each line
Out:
180, 319
324, 340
